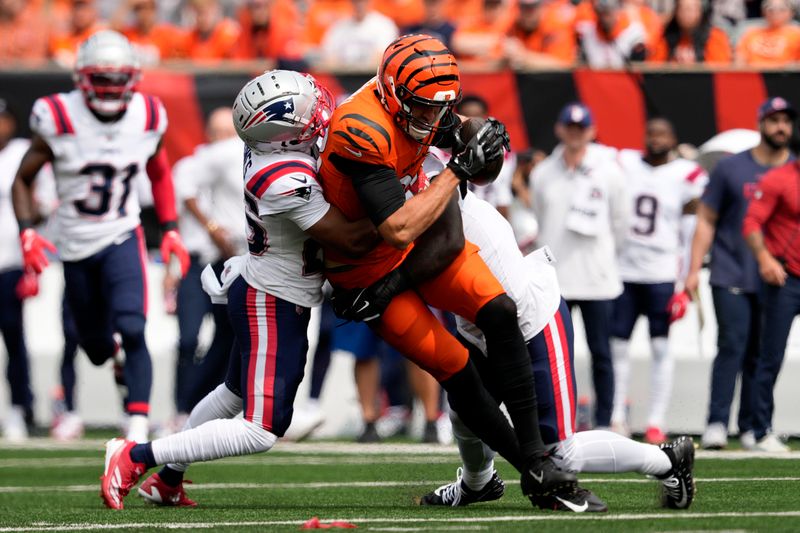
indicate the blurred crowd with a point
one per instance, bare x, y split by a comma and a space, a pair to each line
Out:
351, 34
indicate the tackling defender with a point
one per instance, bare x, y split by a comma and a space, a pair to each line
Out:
281, 116
100, 137
547, 326
372, 166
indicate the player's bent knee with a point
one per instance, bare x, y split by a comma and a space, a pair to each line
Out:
259, 439
498, 314
130, 326
99, 350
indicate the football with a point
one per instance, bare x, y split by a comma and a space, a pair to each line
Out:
492, 169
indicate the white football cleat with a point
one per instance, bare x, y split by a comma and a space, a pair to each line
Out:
748, 440
715, 437
68, 426
304, 421
14, 427
771, 444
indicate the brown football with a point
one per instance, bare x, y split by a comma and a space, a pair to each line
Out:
492, 169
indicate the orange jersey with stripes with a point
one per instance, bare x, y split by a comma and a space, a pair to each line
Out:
362, 130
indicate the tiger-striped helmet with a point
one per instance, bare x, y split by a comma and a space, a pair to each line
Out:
418, 82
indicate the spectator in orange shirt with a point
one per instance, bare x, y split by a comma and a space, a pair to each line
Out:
641, 11
435, 23
83, 23
690, 38
536, 40
270, 29
321, 15
402, 12
213, 36
21, 35
153, 41
776, 44
482, 37
608, 38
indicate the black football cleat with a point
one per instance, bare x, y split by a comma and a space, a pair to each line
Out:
543, 478
580, 500
457, 494
678, 485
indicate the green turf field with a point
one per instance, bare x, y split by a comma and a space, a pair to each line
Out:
374, 486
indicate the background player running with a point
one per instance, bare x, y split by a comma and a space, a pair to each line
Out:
100, 137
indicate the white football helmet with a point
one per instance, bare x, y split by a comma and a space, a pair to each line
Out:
282, 109
107, 71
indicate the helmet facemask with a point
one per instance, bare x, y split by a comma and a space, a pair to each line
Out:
107, 90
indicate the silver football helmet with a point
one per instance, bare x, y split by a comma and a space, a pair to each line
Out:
107, 71
282, 109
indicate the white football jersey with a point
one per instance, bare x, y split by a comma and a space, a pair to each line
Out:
10, 252
95, 166
532, 284
283, 198
652, 246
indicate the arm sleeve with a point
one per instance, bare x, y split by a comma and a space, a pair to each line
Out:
377, 187
694, 184
163, 191
762, 205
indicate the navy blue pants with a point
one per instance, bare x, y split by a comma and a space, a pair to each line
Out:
637, 299
71, 341
269, 354
17, 372
322, 355
552, 356
738, 317
197, 376
597, 323
780, 306
107, 294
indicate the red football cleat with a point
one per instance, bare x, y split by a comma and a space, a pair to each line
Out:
654, 435
154, 490
120, 474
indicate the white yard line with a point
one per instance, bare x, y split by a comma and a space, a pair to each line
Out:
370, 484
539, 517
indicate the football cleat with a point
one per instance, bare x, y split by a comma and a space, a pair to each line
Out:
580, 500
544, 478
155, 491
457, 494
715, 437
67, 427
369, 435
654, 435
120, 474
678, 485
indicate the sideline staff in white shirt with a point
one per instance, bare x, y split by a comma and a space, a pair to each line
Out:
580, 202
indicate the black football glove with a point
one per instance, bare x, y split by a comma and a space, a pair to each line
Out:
487, 145
366, 305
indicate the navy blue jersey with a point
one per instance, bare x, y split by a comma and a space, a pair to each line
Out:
729, 190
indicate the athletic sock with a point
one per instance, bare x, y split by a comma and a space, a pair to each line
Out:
170, 476
476, 457
660, 381
607, 452
480, 412
622, 370
143, 453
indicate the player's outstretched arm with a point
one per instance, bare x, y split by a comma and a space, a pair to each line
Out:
33, 244
353, 239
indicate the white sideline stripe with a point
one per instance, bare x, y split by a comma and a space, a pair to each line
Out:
260, 459
369, 484
323, 448
471, 519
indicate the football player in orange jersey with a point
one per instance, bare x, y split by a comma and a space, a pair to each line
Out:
372, 166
